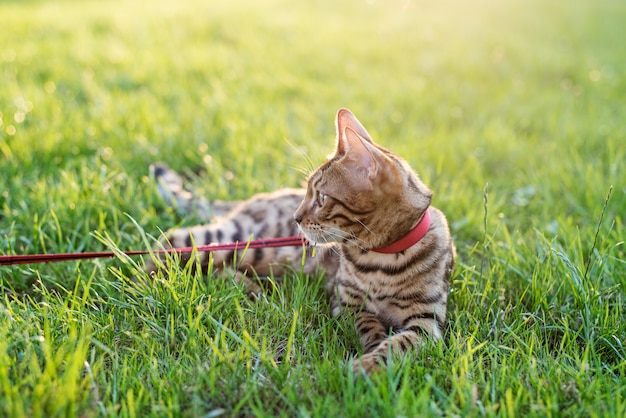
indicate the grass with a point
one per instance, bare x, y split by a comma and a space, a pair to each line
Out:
511, 111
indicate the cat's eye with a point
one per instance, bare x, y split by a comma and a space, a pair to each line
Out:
321, 198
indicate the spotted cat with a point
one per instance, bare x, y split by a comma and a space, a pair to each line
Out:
386, 252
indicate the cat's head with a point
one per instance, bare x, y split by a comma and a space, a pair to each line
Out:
364, 195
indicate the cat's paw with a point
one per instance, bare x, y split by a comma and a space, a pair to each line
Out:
368, 364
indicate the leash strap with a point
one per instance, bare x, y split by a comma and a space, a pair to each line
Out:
9, 260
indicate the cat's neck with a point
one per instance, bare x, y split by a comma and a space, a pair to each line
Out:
409, 240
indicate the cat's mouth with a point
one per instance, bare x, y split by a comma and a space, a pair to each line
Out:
321, 236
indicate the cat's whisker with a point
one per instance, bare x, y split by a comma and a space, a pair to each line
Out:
355, 238
339, 235
336, 234
363, 225
302, 171
302, 152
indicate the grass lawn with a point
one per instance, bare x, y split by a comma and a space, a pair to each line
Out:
513, 112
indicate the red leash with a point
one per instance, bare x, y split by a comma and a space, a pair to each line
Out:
8, 260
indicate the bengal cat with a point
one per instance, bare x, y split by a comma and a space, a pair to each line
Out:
386, 252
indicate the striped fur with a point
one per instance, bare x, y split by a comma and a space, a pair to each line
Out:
364, 197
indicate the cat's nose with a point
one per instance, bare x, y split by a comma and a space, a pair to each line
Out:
298, 215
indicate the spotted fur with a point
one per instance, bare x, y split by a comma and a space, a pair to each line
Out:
265, 215
363, 198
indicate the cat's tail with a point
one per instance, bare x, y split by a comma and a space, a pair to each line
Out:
170, 186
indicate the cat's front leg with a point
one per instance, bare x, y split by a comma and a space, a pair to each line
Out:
371, 330
395, 345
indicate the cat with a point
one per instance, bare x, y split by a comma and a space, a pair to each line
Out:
386, 252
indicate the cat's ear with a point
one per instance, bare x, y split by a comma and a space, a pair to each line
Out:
358, 154
345, 119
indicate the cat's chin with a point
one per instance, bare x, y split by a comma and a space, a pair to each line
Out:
322, 244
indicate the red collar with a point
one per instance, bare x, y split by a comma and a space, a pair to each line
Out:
410, 239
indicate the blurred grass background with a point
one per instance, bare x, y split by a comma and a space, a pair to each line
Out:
512, 112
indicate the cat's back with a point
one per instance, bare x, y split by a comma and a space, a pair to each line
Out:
273, 210
262, 204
